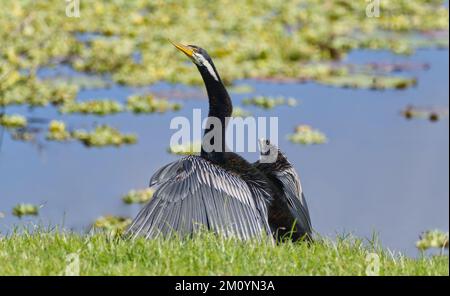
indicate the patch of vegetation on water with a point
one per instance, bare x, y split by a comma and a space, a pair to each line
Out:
57, 131
127, 44
268, 102
82, 82
191, 148
101, 136
23, 135
25, 209
112, 225
137, 104
432, 114
138, 196
97, 107
240, 112
13, 121
31, 91
241, 89
150, 104
302, 31
370, 82
306, 135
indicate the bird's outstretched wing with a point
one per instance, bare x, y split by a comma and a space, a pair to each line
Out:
295, 198
193, 193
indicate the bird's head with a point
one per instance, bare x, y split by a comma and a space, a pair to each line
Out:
200, 57
268, 152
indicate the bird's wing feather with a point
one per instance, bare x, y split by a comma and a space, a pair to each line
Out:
193, 193
295, 197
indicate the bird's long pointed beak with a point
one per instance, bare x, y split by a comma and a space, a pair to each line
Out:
187, 50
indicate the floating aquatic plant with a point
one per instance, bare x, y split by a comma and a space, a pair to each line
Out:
127, 44
31, 91
23, 135
138, 196
239, 112
57, 131
102, 55
13, 121
432, 239
432, 114
97, 107
267, 102
386, 68
306, 135
191, 148
103, 135
241, 89
114, 225
81, 82
149, 104
25, 209
370, 81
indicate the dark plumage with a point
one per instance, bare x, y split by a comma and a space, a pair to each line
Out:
219, 191
288, 212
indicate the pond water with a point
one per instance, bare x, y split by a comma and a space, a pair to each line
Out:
378, 173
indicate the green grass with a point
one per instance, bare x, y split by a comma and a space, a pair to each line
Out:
54, 253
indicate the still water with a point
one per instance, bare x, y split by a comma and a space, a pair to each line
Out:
379, 172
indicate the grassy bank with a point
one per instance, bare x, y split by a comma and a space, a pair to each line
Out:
59, 254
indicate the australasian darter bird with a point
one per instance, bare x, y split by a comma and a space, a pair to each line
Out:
288, 211
219, 191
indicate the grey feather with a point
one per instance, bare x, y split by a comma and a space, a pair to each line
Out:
193, 193
295, 198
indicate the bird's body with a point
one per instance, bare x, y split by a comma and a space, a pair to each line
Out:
217, 191
288, 213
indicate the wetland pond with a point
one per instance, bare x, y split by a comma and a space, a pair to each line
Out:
379, 172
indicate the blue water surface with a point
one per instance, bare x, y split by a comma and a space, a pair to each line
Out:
378, 173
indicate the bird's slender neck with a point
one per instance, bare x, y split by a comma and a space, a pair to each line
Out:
220, 107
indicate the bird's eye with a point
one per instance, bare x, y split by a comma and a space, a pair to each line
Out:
267, 142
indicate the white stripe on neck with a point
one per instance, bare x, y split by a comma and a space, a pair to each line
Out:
201, 59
